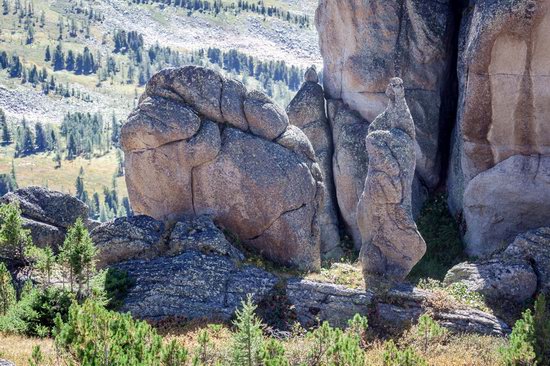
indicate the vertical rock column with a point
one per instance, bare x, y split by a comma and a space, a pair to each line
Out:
392, 244
307, 111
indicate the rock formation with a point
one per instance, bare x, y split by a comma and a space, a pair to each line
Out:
516, 274
201, 144
307, 111
47, 214
364, 43
191, 271
392, 244
502, 134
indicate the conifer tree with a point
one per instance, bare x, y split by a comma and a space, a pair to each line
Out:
7, 291
77, 253
47, 54
248, 337
40, 140
14, 239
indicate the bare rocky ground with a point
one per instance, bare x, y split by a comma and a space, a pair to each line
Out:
272, 39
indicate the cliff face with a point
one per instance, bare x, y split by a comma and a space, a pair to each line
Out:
503, 58
365, 43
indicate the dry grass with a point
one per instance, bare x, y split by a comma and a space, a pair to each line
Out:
346, 274
451, 350
19, 349
39, 169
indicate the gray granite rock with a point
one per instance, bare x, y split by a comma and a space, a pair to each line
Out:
200, 234
403, 305
308, 112
391, 243
497, 279
316, 302
136, 237
192, 285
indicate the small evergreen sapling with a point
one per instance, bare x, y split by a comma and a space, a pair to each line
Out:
7, 291
248, 337
14, 239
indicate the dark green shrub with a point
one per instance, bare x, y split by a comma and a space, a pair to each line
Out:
116, 286
34, 313
444, 245
530, 339
93, 335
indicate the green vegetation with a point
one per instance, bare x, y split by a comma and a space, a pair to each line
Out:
14, 240
444, 245
7, 291
530, 338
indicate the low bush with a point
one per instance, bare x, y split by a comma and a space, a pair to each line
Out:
34, 313
93, 335
530, 339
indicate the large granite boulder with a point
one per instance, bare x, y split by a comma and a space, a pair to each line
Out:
534, 247
503, 111
192, 285
47, 214
350, 162
392, 244
504, 201
316, 302
200, 144
307, 111
125, 238
186, 270
497, 279
365, 43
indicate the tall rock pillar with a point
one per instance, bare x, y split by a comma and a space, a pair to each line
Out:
392, 244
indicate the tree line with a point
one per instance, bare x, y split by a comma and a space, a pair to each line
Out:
217, 6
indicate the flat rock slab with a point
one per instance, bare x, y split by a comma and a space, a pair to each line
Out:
192, 285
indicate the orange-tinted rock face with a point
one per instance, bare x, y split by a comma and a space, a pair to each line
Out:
366, 43
504, 107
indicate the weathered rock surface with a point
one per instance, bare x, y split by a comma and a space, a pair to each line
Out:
307, 111
503, 112
6, 363
506, 200
534, 246
47, 214
497, 279
200, 144
192, 285
350, 162
364, 44
316, 302
200, 234
403, 305
189, 270
391, 243
136, 237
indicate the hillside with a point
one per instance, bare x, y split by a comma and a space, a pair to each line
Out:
60, 57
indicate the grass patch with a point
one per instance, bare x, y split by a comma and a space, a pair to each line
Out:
444, 245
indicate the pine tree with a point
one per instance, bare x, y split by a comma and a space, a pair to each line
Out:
5, 7
248, 337
40, 140
77, 253
14, 239
47, 54
6, 134
58, 61
7, 291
